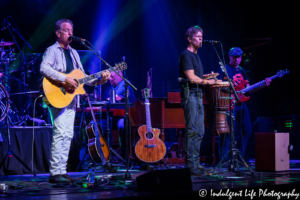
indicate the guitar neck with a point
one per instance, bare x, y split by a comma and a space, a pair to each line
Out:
93, 76
96, 75
148, 118
256, 85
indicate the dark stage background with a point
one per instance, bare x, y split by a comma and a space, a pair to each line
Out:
151, 34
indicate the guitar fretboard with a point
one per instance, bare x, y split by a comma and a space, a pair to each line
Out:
93, 76
148, 118
261, 83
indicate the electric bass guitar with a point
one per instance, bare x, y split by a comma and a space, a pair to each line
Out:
240, 88
149, 148
60, 95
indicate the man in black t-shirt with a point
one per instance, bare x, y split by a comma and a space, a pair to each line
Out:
242, 125
190, 67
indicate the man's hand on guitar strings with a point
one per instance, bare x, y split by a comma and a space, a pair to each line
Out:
71, 83
268, 81
104, 78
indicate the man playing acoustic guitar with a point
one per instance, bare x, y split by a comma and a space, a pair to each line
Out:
60, 57
242, 124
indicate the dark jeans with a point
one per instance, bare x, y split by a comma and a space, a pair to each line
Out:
194, 132
242, 129
119, 123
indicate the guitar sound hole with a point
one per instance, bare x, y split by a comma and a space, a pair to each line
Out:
149, 135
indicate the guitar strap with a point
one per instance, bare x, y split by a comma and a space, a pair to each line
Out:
77, 65
244, 75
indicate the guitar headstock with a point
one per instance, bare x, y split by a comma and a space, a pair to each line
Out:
121, 66
146, 93
280, 73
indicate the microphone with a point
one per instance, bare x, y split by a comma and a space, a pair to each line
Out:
72, 37
182, 80
210, 42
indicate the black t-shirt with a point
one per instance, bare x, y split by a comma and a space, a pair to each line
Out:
237, 75
190, 61
69, 62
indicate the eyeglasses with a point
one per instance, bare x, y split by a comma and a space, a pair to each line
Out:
67, 30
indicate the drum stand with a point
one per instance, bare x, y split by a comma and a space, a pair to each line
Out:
234, 152
10, 153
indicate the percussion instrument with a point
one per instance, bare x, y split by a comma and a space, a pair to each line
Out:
218, 96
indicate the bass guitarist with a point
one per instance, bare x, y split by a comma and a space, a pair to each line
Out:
242, 126
60, 57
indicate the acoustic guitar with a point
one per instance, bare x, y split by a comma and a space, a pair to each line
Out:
60, 95
97, 145
149, 148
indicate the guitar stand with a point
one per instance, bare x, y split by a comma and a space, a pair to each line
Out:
109, 166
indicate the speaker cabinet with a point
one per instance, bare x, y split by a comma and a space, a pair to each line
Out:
165, 180
271, 152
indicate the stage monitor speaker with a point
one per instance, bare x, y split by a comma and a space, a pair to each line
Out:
271, 152
165, 180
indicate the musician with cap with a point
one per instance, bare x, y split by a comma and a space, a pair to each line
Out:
242, 125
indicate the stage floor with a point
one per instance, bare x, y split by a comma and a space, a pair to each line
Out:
225, 185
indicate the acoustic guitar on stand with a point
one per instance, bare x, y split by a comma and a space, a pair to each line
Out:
97, 145
149, 148
60, 95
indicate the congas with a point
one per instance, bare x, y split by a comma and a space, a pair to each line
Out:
4, 103
218, 98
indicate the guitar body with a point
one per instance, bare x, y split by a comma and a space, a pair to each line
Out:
240, 87
59, 95
94, 146
150, 148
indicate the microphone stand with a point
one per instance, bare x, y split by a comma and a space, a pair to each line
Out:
234, 153
127, 175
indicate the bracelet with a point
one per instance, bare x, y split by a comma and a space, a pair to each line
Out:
203, 82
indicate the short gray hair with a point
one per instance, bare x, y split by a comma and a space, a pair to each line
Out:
57, 25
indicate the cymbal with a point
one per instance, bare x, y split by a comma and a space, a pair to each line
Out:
2, 43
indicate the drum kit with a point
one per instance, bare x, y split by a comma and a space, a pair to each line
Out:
13, 91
